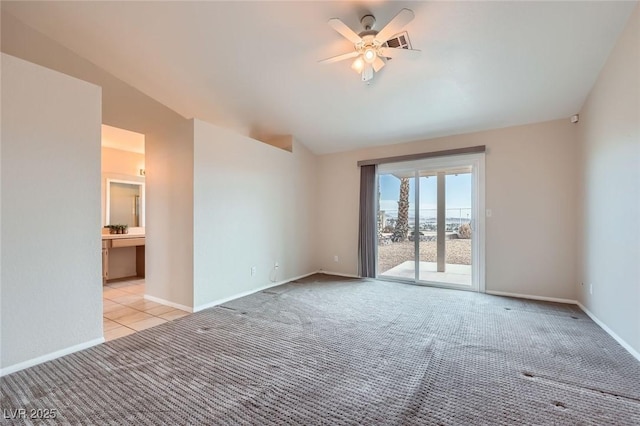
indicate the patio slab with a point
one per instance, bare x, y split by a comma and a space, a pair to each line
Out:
454, 274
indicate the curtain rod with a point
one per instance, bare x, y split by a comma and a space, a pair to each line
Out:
410, 157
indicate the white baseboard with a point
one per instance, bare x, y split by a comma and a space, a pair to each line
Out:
528, 296
167, 303
611, 333
48, 357
248, 292
338, 274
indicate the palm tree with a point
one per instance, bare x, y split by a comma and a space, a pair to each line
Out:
402, 225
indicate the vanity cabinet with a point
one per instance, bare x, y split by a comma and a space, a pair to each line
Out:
117, 241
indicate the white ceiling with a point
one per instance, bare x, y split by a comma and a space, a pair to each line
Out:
253, 66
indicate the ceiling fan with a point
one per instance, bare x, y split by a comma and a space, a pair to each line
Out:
370, 52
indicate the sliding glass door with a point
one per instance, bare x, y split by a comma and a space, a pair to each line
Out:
437, 240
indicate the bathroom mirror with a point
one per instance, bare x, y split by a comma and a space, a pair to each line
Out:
124, 203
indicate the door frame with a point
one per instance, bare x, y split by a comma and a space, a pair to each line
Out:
477, 163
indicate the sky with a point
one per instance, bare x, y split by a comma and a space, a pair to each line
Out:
457, 188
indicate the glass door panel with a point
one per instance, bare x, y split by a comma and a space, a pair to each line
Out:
396, 226
458, 200
444, 252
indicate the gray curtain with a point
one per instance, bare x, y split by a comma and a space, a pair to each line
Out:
368, 222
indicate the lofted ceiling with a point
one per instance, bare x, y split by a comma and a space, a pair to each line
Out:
253, 66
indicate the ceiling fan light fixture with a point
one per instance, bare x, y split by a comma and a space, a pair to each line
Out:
358, 65
371, 49
369, 55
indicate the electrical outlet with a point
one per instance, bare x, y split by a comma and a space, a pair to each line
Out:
591, 289
335, 258
253, 271
276, 265
489, 212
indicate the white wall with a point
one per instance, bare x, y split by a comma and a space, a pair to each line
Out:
168, 156
254, 206
531, 184
609, 131
51, 281
169, 213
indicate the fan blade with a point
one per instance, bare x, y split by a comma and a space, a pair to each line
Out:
395, 25
378, 64
339, 57
346, 32
392, 52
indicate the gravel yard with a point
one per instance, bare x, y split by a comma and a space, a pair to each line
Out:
457, 252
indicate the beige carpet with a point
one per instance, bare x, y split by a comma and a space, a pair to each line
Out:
331, 351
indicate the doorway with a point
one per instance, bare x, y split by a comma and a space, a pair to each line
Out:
430, 230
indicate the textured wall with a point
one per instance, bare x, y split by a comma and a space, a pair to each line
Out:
51, 261
254, 205
609, 132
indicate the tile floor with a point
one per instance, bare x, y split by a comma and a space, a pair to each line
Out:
125, 310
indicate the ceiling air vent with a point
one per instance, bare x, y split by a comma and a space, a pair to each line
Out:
399, 41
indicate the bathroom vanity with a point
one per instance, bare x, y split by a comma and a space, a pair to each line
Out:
115, 244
